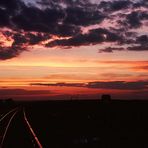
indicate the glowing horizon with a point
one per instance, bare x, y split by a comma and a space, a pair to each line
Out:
104, 42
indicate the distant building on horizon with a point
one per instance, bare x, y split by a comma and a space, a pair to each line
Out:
106, 97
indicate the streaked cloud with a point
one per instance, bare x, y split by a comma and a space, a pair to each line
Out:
117, 85
12, 92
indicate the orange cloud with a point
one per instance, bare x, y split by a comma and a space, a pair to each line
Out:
5, 41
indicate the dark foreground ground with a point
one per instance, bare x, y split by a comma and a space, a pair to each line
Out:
81, 124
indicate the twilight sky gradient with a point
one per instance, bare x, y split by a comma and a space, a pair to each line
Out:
64, 47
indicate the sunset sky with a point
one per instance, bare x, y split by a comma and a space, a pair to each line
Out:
70, 47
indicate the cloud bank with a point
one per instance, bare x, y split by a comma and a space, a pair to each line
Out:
118, 85
120, 23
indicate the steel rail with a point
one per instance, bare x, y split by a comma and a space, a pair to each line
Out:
4, 116
7, 127
31, 130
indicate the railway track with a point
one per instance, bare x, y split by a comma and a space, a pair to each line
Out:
4, 115
10, 118
5, 122
16, 131
35, 139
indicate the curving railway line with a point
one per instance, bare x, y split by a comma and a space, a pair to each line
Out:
16, 131
75, 124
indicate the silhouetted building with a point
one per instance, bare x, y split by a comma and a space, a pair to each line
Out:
106, 97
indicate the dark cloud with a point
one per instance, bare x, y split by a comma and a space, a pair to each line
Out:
10, 52
119, 85
64, 4
143, 40
82, 17
29, 38
33, 23
141, 44
31, 18
131, 48
115, 5
20, 42
35, 19
119, 5
141, 3
10, 5
94, 36
64, 30
111, 49
7, 10
61, 84
138, 48
48, 20
4, 18
122, 85
6, 92
135, 18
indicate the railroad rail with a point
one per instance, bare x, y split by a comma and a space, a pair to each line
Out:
9, 115
39, 145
